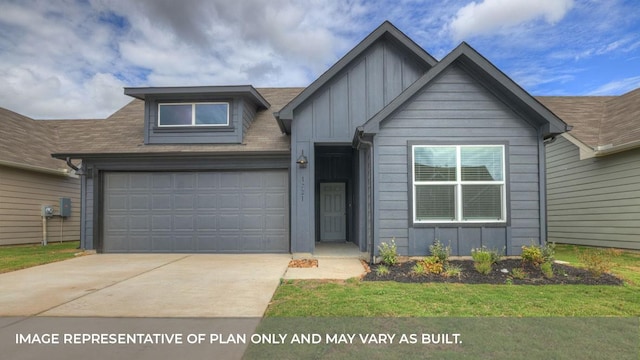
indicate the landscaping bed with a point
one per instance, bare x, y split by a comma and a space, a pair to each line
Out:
501, 273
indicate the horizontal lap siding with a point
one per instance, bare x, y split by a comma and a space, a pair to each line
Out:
22, 194
595, 201
454, 108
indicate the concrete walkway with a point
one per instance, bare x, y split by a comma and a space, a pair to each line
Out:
145, 285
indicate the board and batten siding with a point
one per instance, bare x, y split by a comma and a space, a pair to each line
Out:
22, 194
455, 109
370, 82
593, 202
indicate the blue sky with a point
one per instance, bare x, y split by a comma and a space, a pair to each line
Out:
71, 59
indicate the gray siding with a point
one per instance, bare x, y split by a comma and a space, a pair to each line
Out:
241, 114
454, 108
22, 194
331, 115
594, 202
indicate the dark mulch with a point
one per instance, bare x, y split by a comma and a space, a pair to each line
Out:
563, 274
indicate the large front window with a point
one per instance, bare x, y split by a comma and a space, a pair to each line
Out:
193, 114
458, 183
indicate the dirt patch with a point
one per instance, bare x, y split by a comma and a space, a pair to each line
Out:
502, 273
303, 263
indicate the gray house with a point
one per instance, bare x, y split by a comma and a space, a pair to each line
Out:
593, 172
387, 143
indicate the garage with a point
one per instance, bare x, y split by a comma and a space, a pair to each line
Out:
196, 212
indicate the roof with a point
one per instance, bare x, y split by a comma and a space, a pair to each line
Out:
386, 30
246, 91
492, 78
123, 133
26, 143
604, 123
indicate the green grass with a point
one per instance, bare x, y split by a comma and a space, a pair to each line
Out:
390, 299
23, 256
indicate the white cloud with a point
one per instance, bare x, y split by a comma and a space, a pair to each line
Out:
620, 86
491, 16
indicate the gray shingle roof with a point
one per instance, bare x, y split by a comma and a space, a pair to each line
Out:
25, 142
599, 121
123, 132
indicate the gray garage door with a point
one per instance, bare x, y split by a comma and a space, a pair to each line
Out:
234, 212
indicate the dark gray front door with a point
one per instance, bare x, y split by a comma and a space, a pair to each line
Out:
232, 211
333, 214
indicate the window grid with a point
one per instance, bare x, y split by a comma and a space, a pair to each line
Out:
459, 183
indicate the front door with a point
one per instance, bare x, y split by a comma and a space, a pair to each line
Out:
333, 214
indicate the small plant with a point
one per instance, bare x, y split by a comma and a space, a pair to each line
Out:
538, 255
547, 269
483, 259
432, 265
389, 252
452, 271
440, 251
518, 273
382, 270
418, 268
597, 261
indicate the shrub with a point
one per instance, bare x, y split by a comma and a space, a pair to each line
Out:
418, 269
432, 265
597, 261
440, 251
389, 253
538, 255
518, 273
382, 270
547, 269
483, 259
452, 271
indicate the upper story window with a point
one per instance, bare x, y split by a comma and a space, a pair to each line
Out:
193, 114
458, 183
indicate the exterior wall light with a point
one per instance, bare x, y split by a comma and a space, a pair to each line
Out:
302, 160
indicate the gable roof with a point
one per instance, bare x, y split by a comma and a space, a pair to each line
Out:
25, 143
386, 30
606, 124
122, 133
488, 75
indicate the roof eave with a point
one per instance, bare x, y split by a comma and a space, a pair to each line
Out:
230, 90
158, 154
39, 169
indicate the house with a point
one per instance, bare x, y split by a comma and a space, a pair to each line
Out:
593, 171
387, 144
31, 178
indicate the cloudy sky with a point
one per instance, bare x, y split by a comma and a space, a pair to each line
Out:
71, 59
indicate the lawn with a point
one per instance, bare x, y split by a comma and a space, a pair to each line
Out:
23, 256
356, 298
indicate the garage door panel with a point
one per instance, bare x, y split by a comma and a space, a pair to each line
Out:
235, 211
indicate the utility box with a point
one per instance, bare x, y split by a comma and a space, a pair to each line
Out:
47, 210
65, 207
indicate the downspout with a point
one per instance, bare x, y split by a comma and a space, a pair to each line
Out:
360, 139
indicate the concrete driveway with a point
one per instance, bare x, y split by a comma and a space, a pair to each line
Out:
145, 285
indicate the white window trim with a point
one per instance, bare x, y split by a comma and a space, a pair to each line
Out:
193, 113
458, 187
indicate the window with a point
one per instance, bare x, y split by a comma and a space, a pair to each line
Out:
193, 114
458, 183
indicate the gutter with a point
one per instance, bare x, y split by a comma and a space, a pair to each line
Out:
609, 149
357, 141
40, 169
64, 156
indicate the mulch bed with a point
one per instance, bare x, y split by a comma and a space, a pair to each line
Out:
303, 263
563, 274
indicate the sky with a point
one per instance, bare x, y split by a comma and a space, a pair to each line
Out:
67, 59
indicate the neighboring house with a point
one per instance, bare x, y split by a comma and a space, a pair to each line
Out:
593, 172
31, 178
387, 144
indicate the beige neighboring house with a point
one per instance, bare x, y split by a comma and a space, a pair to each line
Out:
31, 178
593, 171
